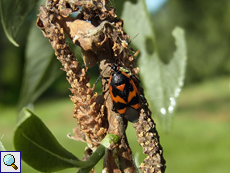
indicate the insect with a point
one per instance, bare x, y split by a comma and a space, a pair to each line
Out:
124, 94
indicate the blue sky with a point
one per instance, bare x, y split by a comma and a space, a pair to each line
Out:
154, 5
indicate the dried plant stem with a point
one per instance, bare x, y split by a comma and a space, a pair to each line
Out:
102, 40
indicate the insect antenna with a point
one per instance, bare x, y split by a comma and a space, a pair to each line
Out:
100, 75
133, 38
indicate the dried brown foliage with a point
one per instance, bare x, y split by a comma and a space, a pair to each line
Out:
99, 33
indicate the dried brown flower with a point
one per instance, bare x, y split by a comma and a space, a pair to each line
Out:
99, 33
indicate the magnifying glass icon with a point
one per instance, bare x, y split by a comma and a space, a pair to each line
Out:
9, 160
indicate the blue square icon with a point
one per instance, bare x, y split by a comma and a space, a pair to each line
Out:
10, 161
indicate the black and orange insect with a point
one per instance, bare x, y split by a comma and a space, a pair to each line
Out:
124, 94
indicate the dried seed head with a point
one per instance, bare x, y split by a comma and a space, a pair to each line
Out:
89, 114
99, 33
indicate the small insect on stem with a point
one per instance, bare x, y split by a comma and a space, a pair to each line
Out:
124, 93
101, 75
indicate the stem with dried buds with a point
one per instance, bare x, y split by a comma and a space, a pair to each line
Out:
101, 40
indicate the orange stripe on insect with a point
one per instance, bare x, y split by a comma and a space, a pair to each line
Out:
118, 99
131, 95
134, 92
136, 106
121, 87
121, 111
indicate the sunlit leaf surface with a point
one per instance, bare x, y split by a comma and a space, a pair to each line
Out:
41, 67
13, 15
39, 148
162, 82
2, 147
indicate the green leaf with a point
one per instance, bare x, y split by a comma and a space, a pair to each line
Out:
39, 148
93, 160
13, 15
97, 155
2, 147
162, 82
41, 68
